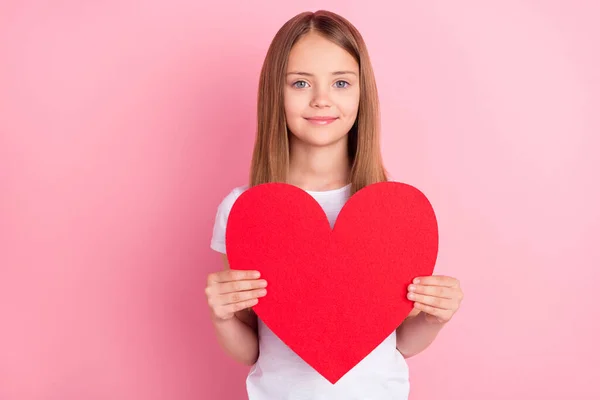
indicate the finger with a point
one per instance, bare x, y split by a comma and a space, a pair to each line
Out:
437, 302
437, 291
413, 313
444, 315
240, 297
227, 311
437, 280
242, 305
240, 286
231, 275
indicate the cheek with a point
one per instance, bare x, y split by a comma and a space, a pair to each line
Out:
294, 105
349, 106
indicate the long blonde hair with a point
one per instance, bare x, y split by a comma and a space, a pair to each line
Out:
270, 158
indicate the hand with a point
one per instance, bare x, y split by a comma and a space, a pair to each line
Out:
439, 297
230, 291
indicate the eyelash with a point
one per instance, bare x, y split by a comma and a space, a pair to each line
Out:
346, 82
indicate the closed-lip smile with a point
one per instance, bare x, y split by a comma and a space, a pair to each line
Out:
323, 120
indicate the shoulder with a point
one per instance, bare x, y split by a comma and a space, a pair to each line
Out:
223, 210
230, 198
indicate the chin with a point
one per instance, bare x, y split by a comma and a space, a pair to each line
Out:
320, 136
320, 139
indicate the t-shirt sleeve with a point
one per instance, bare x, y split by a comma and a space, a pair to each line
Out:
217, 242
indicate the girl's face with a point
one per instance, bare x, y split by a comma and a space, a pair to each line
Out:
321, 92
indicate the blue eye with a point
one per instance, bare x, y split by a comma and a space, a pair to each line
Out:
343, 86
296, 84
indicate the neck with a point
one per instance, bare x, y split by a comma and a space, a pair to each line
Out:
319, 168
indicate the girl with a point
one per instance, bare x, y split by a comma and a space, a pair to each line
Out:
318, 129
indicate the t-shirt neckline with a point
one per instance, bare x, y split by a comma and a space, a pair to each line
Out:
330, 191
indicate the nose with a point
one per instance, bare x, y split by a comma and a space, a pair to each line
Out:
321, 98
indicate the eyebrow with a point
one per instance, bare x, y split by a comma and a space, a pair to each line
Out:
309, 74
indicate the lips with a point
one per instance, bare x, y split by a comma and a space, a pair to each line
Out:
321, 120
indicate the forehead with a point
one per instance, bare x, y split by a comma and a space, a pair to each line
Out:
316, 54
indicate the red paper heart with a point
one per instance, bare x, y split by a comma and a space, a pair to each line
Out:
333, 295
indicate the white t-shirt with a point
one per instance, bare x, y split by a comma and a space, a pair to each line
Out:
280, 374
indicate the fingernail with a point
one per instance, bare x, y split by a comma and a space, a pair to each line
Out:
411, 287
411, 296
416, 280
262, 292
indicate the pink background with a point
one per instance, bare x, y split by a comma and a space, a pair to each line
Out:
122, 126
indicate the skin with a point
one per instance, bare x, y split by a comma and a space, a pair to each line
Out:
322, 80
231, 294
318, 154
